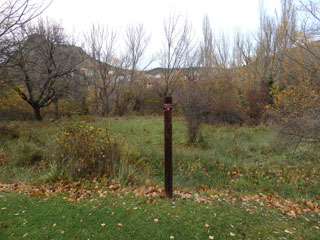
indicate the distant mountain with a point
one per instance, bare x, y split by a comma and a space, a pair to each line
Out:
155, 71
158, 70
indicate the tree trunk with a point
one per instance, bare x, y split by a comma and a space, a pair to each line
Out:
105, 107
84, 106
96, 101
56, 109
37, 114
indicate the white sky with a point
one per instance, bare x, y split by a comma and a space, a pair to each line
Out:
226, 15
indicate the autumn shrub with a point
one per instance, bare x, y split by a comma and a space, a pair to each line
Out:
226, 105
9, 131
195, 107
227, 114
12, 107
88, 151
257, 99
296, 111
215, 102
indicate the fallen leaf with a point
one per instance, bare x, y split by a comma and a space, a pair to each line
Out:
287, 231
232, 234
119, 224
156, 219
25, 235
211, 237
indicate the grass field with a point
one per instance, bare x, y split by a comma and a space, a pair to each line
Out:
128, 217
265, 191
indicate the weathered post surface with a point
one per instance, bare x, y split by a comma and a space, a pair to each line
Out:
168, 145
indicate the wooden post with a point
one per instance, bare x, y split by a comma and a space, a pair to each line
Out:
168, 145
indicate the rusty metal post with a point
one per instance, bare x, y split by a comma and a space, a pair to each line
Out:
168, 145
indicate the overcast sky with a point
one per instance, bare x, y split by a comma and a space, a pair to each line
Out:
226, 15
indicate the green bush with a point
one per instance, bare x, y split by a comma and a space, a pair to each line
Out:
88, 151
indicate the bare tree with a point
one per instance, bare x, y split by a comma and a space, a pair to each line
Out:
176, 47
100, 44
274, 39
215, 51
132, 91
194, 94
136, 41
310, 24
207, 50
243, 50
195, 106
42, 65
207, 44
13, 15
309, 13
16, 13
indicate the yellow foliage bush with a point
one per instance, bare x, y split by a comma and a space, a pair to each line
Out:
12, 106
9, 99
296, 110
87, 151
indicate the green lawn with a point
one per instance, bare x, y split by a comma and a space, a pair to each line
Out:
129, 217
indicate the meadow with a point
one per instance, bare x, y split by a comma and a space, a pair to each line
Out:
234, 182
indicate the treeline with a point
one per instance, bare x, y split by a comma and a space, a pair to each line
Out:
270, 75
